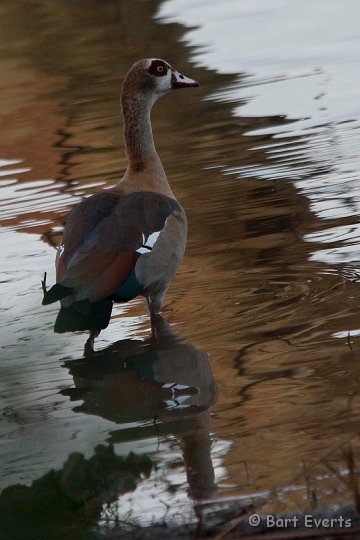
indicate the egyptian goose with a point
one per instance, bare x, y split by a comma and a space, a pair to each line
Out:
128, 240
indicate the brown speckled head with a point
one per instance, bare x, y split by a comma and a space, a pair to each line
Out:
144, 83
153, 76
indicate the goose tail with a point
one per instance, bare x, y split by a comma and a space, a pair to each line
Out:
75, 318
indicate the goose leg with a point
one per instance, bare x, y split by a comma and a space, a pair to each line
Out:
155, 303
155, 319
89, 345
160, 328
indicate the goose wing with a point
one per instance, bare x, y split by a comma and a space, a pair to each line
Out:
103, 239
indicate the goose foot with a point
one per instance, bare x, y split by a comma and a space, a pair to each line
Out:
156, 320
160, 328
89, 345
154, 304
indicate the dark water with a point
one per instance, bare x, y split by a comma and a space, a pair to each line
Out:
252, 393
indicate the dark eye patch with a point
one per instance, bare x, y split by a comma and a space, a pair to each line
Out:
158, 68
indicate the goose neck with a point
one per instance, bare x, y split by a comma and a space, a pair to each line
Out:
138, 135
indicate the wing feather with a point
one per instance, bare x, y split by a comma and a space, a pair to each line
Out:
104, 237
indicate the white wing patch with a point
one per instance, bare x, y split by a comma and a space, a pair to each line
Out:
59, 252
149, 244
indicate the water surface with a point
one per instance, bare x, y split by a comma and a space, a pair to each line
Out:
252, 393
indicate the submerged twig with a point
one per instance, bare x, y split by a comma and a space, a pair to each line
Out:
310, 491
229, 526
248, 482
43, 284
353, 477
349, 342
157, 432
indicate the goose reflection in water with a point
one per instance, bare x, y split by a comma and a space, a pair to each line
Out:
164, 379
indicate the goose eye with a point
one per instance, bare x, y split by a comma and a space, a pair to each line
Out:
158, 68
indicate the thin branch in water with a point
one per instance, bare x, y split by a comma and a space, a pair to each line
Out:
157, 432
43, 284
353, 477
310, 491
248, 481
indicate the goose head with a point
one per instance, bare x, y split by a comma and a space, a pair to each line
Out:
152, 78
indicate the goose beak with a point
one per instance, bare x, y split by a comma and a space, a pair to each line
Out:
180, 81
